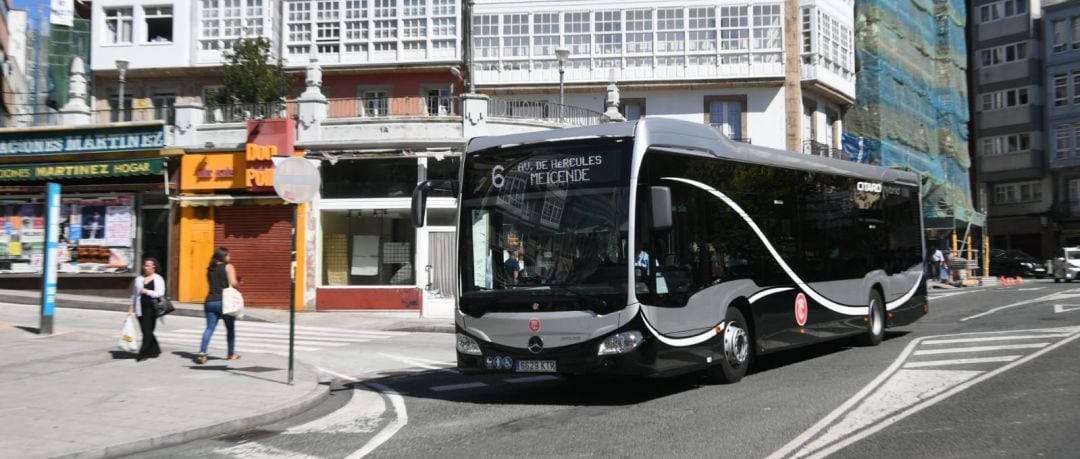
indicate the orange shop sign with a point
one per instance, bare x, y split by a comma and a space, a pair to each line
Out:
212, 171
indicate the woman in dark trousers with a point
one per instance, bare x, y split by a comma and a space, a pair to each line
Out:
148, 286
220, 275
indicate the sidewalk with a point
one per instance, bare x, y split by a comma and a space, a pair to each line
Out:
75, 394
357, 320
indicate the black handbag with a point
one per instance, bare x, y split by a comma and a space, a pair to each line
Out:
162, 306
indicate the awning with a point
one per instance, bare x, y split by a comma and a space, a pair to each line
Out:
226, 200
90, 169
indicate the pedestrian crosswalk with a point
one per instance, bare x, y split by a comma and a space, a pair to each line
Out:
272, 338
982, 351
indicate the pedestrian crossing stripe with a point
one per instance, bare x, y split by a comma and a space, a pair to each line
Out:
274, 338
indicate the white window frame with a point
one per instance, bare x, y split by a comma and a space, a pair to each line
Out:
1017, 193
1059, 35
1061, 89
119, 18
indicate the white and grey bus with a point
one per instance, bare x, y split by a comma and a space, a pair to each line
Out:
660, 247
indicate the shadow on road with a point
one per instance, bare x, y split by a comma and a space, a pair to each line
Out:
597, 390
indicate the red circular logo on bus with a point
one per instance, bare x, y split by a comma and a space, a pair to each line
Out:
800, 309
534, 324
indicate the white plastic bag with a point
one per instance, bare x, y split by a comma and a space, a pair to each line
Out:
129, 339
232, 303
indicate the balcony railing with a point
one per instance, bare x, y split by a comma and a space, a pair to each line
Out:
166, 114
544, 111
811, 147
371, 107
236, 113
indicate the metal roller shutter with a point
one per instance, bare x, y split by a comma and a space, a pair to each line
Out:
258, 239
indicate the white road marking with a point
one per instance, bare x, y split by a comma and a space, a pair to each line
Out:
996, 338
471, 385
1029, 289
1066, 307
877, 401
942, 363
416, 363
360, 415
527, 379
253, 449
1014, 305
957, 350
400, 421
947, 294
337, 375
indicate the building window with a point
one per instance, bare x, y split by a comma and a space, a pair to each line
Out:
1004, 99
1061, 90
725, 114
1059, 40
545, 35
164, 107
118, 23
632, 109
768, 30
1062, 138
1003, 54
576, 27
608, 32
734, 29
1014, 193
1003, 9
1076, 32
639, 36
670, 36
486, 36
515, 35
159, 24
1005, 144
224, 22
1074, 194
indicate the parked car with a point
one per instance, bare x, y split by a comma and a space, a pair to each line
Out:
1066, 264
1014, 263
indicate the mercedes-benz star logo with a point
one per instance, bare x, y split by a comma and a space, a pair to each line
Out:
536, 345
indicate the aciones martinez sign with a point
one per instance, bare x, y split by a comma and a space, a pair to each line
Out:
76, 141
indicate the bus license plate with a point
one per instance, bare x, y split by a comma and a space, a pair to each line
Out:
536, 366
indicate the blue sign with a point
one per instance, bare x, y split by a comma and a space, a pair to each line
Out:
52, 237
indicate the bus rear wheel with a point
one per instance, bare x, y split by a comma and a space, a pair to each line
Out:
876, 327
735, 351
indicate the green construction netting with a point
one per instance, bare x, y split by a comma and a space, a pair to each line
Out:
911, 106
64, 44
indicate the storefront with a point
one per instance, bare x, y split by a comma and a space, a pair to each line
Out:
370, 256
227, 200
114, 204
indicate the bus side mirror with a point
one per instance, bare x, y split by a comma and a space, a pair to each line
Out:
660, 202
420, 194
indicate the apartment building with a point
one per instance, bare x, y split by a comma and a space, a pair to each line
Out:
1061, 79
716, 62
1007, 127
13, 23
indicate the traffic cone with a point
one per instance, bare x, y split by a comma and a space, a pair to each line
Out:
1019, 280
1004, 281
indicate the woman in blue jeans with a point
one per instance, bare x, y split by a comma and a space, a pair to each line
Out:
220, 275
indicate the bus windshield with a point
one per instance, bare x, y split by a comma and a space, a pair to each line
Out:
544, 227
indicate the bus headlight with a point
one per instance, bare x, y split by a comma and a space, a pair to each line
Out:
620, 343
467, 345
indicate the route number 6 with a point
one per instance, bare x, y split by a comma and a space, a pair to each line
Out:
497, 179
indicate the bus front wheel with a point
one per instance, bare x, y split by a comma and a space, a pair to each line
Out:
876, 327
735, 351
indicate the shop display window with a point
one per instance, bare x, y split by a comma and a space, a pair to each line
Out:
369, 178
368, 247
97, 234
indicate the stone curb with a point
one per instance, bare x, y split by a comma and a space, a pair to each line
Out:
315, 396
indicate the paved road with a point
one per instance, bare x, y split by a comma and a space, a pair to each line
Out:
989, 372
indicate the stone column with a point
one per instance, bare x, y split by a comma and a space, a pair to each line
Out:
188, 119
311, 107
474, 109
611, 104
76, 112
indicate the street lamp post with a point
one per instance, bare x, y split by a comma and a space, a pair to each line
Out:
561, 54
121, 66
